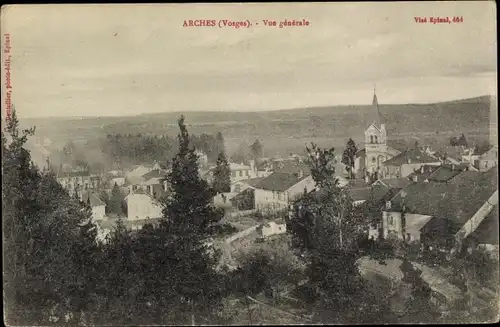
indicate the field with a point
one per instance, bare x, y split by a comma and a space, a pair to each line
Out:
288, 131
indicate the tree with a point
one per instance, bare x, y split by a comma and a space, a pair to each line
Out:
187, 217
349, 156
256, 150
115, 201
222, 175
462, 141
42, 228
331, 228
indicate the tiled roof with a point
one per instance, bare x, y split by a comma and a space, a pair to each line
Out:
399, 144
412, 156
423, 172
157, 173
253, 181
360, 194
95, 201
456, 201
396, 182
292, 167
487, 231
443, 174
278, 182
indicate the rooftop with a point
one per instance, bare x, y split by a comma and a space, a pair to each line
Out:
456, 201
278, 182
95, 201
156, 173
444, 174
487, 231
411, 156
395, 182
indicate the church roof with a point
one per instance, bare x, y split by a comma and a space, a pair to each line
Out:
376, 117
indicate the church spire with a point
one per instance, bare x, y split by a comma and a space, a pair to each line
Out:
376, 120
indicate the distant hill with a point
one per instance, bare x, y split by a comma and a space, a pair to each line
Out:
287, 130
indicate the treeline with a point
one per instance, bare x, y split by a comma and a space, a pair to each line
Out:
140, 148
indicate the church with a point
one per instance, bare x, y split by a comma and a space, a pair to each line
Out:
369, 161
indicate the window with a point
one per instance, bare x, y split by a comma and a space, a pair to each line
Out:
376, 139
246, 172
373, 159
390, 221
241, 173
486, 164
371, 138
233, 174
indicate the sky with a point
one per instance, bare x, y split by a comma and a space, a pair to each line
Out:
110, 60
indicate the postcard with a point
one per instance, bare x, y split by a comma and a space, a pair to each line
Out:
250, 163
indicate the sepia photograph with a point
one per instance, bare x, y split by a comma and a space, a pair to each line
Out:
250, 164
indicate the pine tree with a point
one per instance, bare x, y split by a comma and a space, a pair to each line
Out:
115, 201
41, 228
349, 156
188, 216
256, 150
462, 141
222, 175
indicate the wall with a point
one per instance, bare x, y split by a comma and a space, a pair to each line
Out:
477, 218
274, 201
99, 212
118, 180
245, 174
273, 229
413, 224
142, 206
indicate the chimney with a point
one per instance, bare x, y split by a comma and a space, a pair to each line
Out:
422, 169
367, 179
452, 167
151, 190
301, 173
415, 178
409, 161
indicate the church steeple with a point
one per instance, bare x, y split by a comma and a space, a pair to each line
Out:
376, 119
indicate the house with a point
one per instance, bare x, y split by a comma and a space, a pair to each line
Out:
407, 162
487, 160
134, 176
272, 228
486, 235
149, 181
78, 179
278, 190
97, 205
142, 206
241, 172
369, 160
241, 185
422, 211
399, 183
